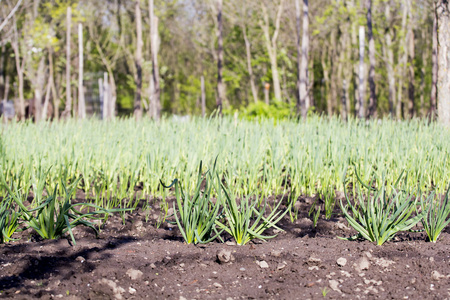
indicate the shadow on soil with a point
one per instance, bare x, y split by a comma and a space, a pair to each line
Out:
37, 267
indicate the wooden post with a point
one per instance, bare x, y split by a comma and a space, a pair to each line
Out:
105, 96
101, 96
202, 83
266, 92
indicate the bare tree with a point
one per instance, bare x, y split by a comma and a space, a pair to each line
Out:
403, 54
271, 43
68, 107
303, 82
373, 95
248, 53
81, 102
154, 40
389, 55
435, 67
443, 84
361, 113
138, 62
411, 57
220, 84
20, 64
10, 15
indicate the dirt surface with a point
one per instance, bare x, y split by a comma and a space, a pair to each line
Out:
135, 260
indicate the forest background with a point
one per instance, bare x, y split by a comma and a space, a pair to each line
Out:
371, 58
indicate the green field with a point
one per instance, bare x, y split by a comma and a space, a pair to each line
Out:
254, 156
111, 166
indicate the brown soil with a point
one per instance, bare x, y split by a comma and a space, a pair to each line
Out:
136, 260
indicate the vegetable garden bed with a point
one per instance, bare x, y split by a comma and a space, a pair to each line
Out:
135, 260
168, 228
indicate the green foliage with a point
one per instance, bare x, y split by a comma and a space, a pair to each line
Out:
378, 215
436, 216
276, 110
197, 213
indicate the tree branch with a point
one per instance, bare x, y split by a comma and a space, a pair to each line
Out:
5, 21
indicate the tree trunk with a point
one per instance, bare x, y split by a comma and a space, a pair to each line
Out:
249, 64
46, 102
220, 84
344, 70
138, 62
361, 113
81, 101
154, 40
202, 83
326, 78
411, 58
402, 64
39, 84
6, 92
373, 95
443, 84
55, 96
19, 68
389, 54
344, 100
271, 44
2, 72
434, 74
333, 100
355, 67
300, 106
303, 71
68, 107
423, 70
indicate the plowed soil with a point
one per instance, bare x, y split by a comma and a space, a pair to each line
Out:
135, 260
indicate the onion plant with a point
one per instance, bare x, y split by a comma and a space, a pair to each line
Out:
116, 157
244, 221
52, 218
197, 214
436, 215
378, 215
8, 221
